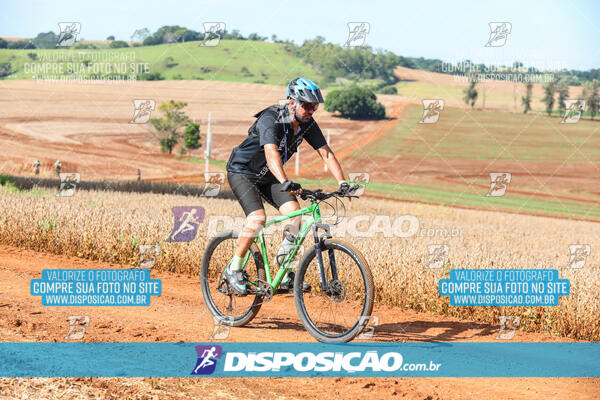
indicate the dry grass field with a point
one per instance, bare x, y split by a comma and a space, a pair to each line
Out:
108, 227
87, 126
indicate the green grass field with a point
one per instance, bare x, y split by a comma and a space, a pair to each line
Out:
470, 197
466, 142
476, 135
265, 62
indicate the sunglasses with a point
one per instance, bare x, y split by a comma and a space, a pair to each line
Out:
309, 106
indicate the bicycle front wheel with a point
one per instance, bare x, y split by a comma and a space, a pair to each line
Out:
339, 310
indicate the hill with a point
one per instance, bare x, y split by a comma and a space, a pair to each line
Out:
231, 60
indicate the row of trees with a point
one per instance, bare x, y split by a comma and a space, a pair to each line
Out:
557, 92
176, 33
354, 63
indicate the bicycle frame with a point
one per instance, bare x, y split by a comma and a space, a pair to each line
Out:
314, 220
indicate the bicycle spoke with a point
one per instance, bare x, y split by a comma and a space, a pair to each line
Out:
223, 300
337, 311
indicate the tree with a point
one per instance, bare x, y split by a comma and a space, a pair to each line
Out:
562, 87
140, 34
548, 98
117, 44
355, 103
591, 97
111, 37
192, 136
3, 44
526, 100
45, 40
5, 69
168, 128
470, 92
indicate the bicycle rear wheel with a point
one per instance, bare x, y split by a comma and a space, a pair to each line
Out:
219, 298
340, 310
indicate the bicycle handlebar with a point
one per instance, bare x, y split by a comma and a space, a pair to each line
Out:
319, 195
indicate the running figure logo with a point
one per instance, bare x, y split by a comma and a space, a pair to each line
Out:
68, 183
573, 112
357, 34
499, 183
68, 33
508, 326
141, 114
77, 325
187, 220
212, 183
213, 31
207, 359
431, 110
579, 255
148, 254
361, 179
499, 32
438, 253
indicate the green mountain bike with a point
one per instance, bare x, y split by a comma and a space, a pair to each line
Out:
334, 307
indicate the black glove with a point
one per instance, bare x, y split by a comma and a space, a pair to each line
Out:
289, 186
344, 188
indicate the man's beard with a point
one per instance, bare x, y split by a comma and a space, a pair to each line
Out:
300, 119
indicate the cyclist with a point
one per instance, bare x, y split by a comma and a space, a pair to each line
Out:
57, 166
255, 168
36, 167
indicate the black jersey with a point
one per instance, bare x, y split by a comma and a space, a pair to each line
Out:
273, 125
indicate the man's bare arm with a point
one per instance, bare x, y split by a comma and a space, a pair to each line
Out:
334, 166
274, 162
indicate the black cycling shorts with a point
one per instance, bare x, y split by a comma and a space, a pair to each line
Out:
250, 190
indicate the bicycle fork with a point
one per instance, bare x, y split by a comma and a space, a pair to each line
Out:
319, 244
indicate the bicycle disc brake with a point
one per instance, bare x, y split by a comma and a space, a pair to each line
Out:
336, 290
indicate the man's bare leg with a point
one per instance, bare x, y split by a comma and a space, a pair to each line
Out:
254, 223
289, 207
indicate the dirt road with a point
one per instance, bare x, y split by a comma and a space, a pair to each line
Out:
179, 315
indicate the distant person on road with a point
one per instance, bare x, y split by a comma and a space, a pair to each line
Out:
255, 168
36, 167
57, 166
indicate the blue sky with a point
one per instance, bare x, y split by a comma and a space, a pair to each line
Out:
550, 34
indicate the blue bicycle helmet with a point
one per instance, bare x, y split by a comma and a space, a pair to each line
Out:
305, 90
